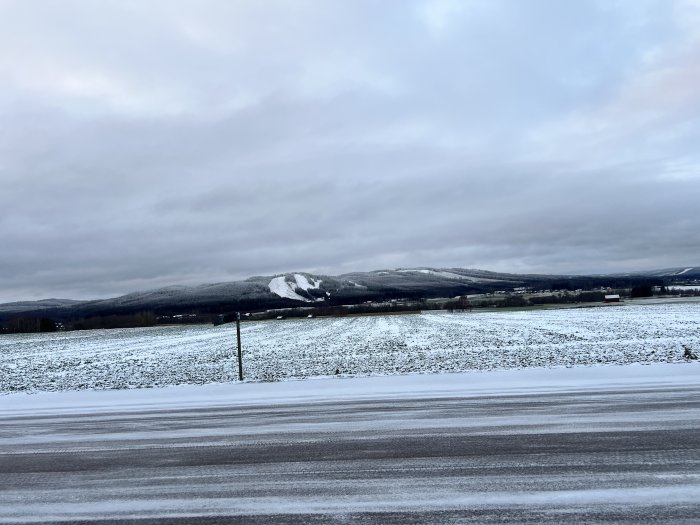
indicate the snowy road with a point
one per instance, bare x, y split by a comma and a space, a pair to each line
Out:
551, 450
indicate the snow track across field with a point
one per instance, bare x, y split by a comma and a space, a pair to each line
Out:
375, 345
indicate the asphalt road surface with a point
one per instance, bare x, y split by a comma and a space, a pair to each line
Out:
620, 455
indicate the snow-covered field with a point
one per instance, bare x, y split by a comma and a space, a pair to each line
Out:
375, 345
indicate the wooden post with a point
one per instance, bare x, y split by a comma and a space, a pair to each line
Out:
238, 336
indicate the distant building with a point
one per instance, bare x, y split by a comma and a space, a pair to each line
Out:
612, 298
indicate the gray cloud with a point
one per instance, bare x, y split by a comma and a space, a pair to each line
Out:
146, 144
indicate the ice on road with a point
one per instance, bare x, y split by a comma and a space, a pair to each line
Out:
587, 444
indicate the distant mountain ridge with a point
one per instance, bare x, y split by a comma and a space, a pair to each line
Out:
303, 288
685, 272
20, 306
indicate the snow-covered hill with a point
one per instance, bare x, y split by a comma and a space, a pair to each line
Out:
44, 304
684, 272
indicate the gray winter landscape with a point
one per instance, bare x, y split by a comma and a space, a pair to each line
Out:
349, 262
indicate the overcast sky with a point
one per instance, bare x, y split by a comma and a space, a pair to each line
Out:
145, 144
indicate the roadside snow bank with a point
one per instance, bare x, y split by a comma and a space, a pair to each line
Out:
465, 384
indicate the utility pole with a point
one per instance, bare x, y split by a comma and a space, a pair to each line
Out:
238, 336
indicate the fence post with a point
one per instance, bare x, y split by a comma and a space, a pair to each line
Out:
238, 336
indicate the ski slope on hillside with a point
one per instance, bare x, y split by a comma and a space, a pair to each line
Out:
279, 286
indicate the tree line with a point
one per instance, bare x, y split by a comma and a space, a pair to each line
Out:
23, 325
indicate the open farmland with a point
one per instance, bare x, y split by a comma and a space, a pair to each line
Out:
278, 350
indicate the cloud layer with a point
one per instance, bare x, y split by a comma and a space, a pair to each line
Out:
152, 143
